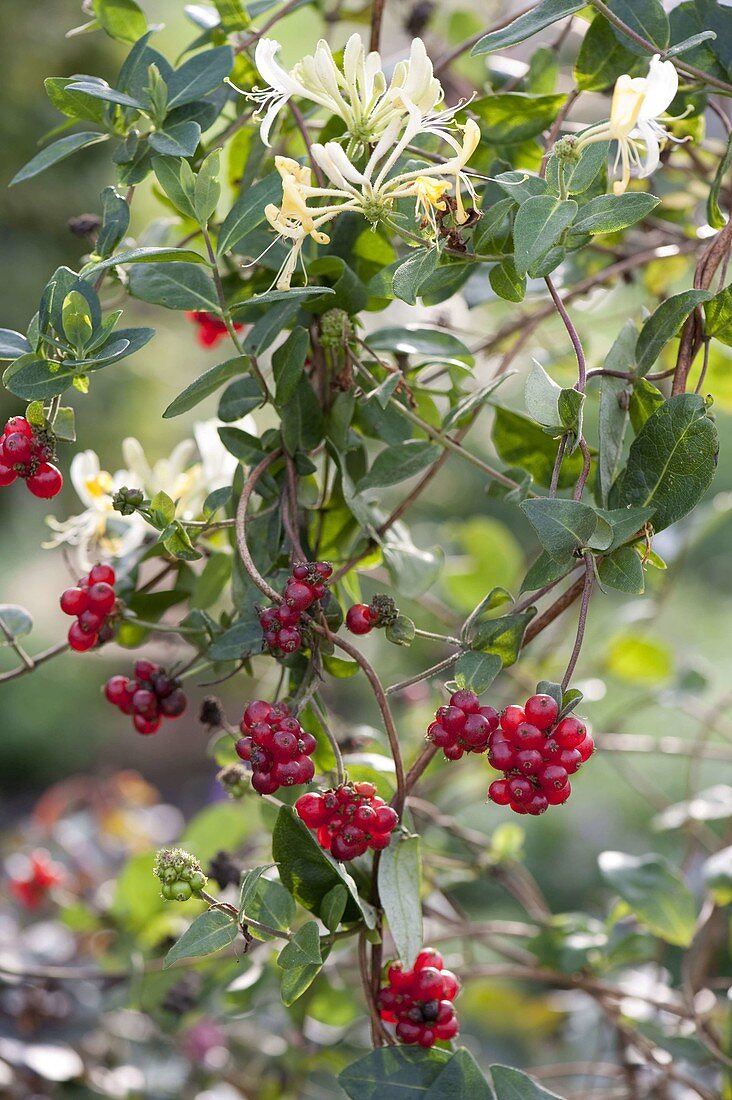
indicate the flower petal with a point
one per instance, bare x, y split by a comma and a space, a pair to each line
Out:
662, 86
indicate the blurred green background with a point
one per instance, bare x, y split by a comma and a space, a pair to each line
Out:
659, 664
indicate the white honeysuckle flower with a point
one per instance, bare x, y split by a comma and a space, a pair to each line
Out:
638, 105
371, 192
98, 533
358, 93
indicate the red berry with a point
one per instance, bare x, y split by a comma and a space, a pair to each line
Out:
466, 700
80, 640
298, 595
74, 601
521, 790
358, 619
557, 797
450, 985
289, 639
499, 792
452, 719
311, 809
541, 711
552, 777
501, 756
586, 748
511, 718
476, 731
428, 984
527, 736
570, 760
342, 849
537, 803
117, 691
491, 716
102, 574
570, 733
529, 761
145, 703
90, 622
324, 569
101, 597
46, 482
306, 770
18, 424
243, 748
428, 957
145, 725
17, 449
387, 819
264, 782
287, 616
300, 571
145, 670
173, 705
7, 474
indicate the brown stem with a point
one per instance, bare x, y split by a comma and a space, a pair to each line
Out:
39, 659
587, 584
692, 334
377, 15
448, 58
241, 527
554, 611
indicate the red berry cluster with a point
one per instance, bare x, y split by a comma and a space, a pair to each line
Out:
276, 746
419, 1001
91, 602
349, 819
463, 726
537, 755
281, 624
150, 697
31, 884
210, 328
26, 453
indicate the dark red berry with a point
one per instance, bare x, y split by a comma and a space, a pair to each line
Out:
173, 705
18, 424
101, 597
7, 474
46, 482
74, 601
570, 733
358, 619
17, 449
541, 711
80, 640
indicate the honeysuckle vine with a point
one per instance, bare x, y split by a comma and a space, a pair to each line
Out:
272, 549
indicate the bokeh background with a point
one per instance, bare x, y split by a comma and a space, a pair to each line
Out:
654, 665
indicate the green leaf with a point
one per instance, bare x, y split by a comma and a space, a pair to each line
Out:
239, 641
248, 888
16, 621
718, 315
570, 407
401, 631
206, 384
121, 19
395, 464
646, 17
175, 286
521, 186
180, 139
413, 571
562, 526
510, 118
12, 344
613, 412
400, 890
461, 1078
645, 399
55, 152
579, 176
520, 442
207, 189
393, 1073
233, 15
200, 75
539, 224
611, 213
416, 269
76, 105
208, 933
248, 211
268, 902
177, 542
308, 872
229, 821
625, 523
333, 906
541, 395
715, 217
115, 222
302, 419
622, 570
543, 571
544, 14
420, 341
656, 893
476, 671
99, 89
468, 405
512, 1084
671, 462
239, 398
506, 281
76, 320
502, 637
602, 58
178, 182
288, 362
663, 324
293, 296
36, 379
302, 949
64, 426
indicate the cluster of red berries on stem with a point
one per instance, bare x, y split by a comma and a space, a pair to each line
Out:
92, 602
26, 453
349, 819
463, 726
537, 754
276, 746
210, 328
419, 1001
36, 875
151, 696
281, 624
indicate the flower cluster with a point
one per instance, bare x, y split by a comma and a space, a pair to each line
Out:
151, 696
25, 453
382, 120
349, 819
281, 624
276, 746
31, 877
419, 1001
537, 755
463, 726
180, 874
91, 602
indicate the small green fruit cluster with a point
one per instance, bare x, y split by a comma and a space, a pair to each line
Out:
180, 874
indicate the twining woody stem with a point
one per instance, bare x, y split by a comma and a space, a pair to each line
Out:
377, 15
39, 659
241, 526
332, 741
226, 315
587, 584
434, 670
